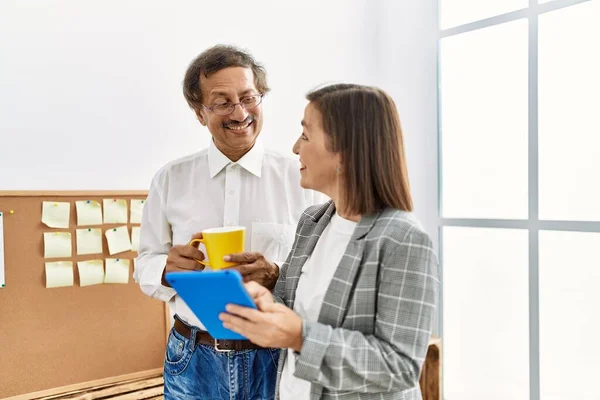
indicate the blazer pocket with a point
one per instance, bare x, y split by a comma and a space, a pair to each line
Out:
274, 241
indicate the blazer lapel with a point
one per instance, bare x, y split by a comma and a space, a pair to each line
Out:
307, 239
334, 308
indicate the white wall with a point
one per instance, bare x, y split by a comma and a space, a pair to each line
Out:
407, 32
90, 91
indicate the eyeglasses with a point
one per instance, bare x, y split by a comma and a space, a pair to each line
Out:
247, 103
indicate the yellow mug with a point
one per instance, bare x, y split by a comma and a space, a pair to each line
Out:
220, 242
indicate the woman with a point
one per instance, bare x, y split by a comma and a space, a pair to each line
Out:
360, 283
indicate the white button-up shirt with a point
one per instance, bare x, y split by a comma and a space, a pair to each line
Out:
261, 191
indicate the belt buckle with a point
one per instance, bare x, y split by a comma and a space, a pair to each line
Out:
220, 350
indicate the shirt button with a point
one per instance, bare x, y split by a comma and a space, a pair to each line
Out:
283, 239
234, 166
231, 191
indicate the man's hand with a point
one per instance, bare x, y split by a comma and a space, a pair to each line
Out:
182, 258
255, 267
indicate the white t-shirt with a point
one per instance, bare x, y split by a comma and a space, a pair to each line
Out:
314, 281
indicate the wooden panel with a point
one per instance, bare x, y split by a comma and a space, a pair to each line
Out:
133, 389
63, 336
83, 387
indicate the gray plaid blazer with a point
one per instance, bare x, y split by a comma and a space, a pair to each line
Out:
375, 322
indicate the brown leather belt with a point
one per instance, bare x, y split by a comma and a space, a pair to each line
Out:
203, 337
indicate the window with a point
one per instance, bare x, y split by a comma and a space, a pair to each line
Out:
520, 198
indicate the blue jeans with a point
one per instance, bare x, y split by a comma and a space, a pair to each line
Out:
200, 372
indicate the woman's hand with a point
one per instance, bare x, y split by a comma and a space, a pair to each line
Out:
272, 325
260, 294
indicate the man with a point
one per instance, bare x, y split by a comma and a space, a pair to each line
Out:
235, 182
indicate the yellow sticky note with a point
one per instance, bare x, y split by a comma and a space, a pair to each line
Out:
56, 214
135, 238
57, 244
59, 274
115, 211
118, 240
117, 270
89, 241
89, 212
137, 206
91, 272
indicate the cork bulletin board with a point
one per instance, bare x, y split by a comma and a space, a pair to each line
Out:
63, 336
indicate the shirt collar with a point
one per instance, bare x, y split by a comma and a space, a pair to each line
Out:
251, 161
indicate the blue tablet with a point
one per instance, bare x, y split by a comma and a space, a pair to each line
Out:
207, 293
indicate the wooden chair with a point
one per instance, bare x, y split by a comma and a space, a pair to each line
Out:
431, 375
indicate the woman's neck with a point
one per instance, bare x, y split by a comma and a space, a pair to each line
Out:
345, 215
334, 194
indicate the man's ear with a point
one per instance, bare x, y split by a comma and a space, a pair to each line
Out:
201, 117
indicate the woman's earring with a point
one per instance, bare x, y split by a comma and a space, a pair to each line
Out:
339, 170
